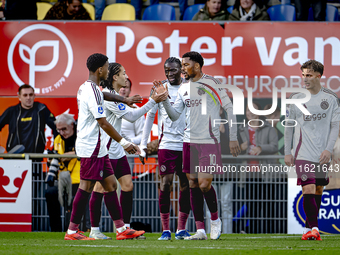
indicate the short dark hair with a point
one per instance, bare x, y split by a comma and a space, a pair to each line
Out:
173, 60
194, 56
95, 61
237, 4
25, 86
314, 65
114, 68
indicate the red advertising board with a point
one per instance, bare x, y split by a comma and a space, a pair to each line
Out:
51, 56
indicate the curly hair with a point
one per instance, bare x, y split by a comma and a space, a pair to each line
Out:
114, 68
95, 61
194, 56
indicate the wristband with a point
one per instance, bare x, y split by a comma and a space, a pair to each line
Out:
124, 143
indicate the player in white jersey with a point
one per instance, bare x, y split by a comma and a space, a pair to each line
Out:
91, 148
201, 144
170, 135
114, 114
313, 143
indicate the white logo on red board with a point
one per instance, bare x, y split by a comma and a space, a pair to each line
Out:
37, 60
10, 185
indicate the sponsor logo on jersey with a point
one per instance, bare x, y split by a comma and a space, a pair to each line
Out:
324, 105
329, 213
186, 93
121, 107
287, 113
314, 117
192, 103
100, 109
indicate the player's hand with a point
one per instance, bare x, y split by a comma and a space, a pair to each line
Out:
158, 87
325, 157
136, 99
234, 148
143, 155
255, 151
133, 149
289, 160
244, 146
159, 97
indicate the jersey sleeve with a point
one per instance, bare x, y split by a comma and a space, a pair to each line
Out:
336, 110
96, 103
119, 109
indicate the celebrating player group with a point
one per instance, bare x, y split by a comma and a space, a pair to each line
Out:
188, 138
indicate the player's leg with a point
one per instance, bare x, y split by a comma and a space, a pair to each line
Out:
184, 205
204, 181
112, 204
78, 209
95, 204
164, 205
123, 174
310, 206
210, 158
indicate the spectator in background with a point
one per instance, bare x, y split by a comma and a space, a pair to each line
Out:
213, 10
248, 10
302, 9
257, 138
68, 10
26, 122
19, 9
275, 121
69, 174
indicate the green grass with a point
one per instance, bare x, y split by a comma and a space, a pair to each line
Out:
53, 243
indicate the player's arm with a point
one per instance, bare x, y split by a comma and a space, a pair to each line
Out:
333, 135
174, 112
107, 127
233, 142
150, 117
288, 136
5, 118
126, 100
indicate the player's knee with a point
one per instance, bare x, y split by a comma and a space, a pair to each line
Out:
205, 186
166, 186
128, 186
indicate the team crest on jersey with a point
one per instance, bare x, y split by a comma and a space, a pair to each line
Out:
304, 178
100, 109
163, 168
324, 105
200, 91
121, 107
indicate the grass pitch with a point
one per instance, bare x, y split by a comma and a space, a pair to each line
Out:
53, 243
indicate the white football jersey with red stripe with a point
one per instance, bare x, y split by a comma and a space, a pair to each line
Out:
90, 108
312, 131
200, 127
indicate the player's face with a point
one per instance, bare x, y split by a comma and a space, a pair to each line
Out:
214, 6
188, 68
121, 78
66, 131
73, 7
250, 115
125, 91
104, 71
26, 97
311, 79
173, 73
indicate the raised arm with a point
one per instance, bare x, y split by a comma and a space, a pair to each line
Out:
126, 100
